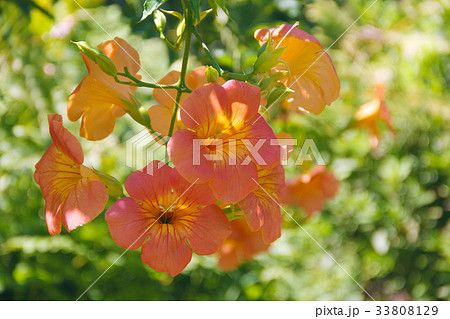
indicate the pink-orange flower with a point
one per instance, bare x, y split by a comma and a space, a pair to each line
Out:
161, 114
311, 73
168, 217
261, 207
73, 193
241, 245
99, 98
369, 114
227, 137
311, 190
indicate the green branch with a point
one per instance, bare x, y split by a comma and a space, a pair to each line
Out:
139, 83
181, 82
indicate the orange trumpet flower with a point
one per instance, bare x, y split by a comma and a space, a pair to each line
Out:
311, 190
240, 246
311, 73
99, 98
370, 114
168, 217
73, 193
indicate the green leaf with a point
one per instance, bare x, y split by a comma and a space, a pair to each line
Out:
262, 49
278, 94
195, 5
267, 60
150, 6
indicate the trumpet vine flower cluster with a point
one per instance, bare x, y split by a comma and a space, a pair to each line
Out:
222, 189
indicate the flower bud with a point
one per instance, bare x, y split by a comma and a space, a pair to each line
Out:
211, 75
104, 63
137, 113
113, 186
160, 20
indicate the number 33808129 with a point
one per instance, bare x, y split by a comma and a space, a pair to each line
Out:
407, 310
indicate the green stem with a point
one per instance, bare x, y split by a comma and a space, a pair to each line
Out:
237, 76
139, 83
181, 82
208, 52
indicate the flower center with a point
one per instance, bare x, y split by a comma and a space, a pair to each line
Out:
166, 217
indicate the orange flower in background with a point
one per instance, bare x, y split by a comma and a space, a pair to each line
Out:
311, 190
369, 114
161, 114
73, 193
311, 73
98, 98
240, 246
168, 217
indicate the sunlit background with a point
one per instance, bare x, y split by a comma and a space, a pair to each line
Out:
388, 226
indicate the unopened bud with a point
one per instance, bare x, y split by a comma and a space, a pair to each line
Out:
113, 186
104, 63
211, 74
160, 20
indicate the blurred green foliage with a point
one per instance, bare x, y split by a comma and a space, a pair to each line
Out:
388, 227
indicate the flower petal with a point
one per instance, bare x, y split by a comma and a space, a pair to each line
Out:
232, 183
166, 250
100, 106
167, 97
262, 35
206, 110
64, 140
189, 157
244, 101
199, 194
151, 185
123, 55
267, 151
228, 257
209, 228
83, 203
160, 117
272, 222
53, 215
253, 212
128, 223
196, 78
